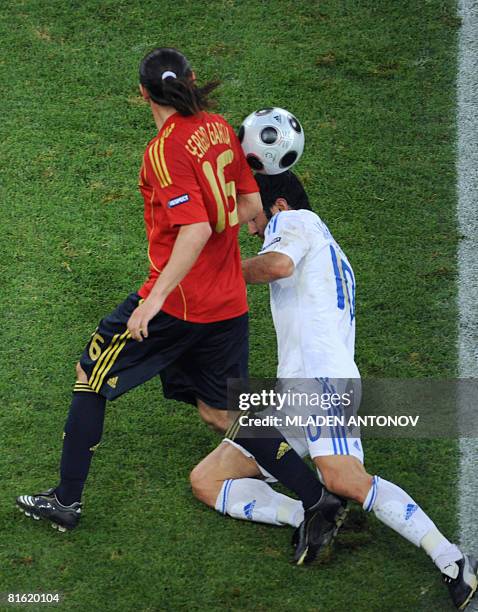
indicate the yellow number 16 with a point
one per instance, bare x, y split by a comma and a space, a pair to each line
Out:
222, 190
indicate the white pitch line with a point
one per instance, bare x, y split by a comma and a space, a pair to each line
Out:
467, 185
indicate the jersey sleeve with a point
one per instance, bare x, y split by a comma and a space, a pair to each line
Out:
176, 184
285, 233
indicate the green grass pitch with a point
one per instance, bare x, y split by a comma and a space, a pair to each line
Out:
373, 84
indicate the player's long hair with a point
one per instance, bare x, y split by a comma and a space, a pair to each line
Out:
179, 91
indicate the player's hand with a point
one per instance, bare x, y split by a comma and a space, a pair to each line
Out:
142, 315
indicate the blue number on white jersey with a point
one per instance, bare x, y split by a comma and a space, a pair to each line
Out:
344, 277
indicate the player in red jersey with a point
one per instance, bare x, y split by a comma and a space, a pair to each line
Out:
188, 322
191, 173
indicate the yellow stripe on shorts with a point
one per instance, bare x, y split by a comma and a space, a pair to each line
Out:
104, 359
113, 357
231, 433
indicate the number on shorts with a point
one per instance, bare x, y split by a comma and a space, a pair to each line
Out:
95, 346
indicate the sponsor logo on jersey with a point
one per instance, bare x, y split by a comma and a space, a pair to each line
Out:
283, 448
248, 509
411, 509
277, 239
179, 200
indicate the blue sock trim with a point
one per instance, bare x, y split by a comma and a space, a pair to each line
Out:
225, 495
374, 494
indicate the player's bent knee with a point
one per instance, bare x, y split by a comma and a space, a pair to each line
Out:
203, 485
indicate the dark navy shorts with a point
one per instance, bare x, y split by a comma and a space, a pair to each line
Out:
194, 360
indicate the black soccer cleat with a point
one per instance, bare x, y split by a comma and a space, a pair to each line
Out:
46, 506
461, 578
315, 534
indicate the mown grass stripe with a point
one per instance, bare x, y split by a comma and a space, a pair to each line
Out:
467, 184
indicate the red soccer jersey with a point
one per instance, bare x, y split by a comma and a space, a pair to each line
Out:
193, 171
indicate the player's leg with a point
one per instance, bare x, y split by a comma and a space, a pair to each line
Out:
229, 481
222, 355
84, 424
109, 348
272, 451
217, 420
111, 364
346, 476
323, 512
204, 370
339, 460
394, 507
82, 434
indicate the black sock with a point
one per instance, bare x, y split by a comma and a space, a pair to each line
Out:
274, 454
83, 431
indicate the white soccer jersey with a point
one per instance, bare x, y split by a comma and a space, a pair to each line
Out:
314, 309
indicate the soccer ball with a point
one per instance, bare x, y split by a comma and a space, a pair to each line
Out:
272, 140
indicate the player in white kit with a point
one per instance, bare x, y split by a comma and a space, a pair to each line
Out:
312, 287
314, 317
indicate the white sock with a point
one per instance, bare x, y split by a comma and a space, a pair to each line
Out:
442, 552
394, 507
254, 500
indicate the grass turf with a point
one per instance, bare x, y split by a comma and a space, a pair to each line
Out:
372, 83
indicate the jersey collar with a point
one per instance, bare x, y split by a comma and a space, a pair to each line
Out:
168, 121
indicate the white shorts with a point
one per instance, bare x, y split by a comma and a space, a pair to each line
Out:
319, 443
323, 440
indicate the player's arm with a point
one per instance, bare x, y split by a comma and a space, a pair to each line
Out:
284, 247
267, 268
182, 201
189, 243
248, 206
